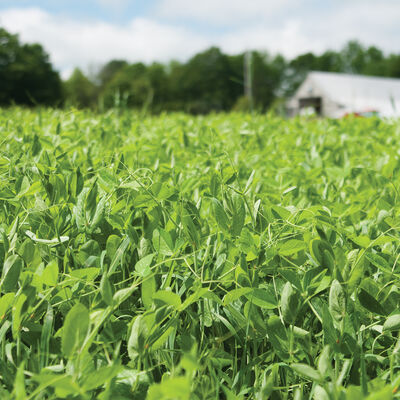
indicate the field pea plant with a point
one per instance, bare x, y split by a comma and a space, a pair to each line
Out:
176, 257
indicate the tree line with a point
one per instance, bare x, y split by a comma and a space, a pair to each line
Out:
209, 81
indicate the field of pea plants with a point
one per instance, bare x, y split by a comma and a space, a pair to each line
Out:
231, 256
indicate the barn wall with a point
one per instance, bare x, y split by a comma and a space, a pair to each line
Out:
331, 109
309, 89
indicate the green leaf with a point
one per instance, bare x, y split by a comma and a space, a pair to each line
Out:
278, 336
378, 261
63, 385
180, 387
106, 290
167, 297
370, 303
321, 394
27, 251
17, 315
328, 261
239, 214
162, 338
290, 303
148, 288
45, 335
137, 338
188, 222
24, 187
90, 205
107, 181
220, 214
142, 267
98, 215
11, 270
6, 301
330, 334
236, 294
50, 242
79, 210
122, 295
50, 274
292, 277
392, 323
307, 372
325, 361
194, 297
291, 247
162, 242
249, 181
112, 244
100, 376
88, 274
76, 182
385, 393
263, 298
362, 241
19, 384
118, 255
75, 329
337, 301
317, 248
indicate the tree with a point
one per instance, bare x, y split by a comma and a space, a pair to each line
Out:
267, 78
392, 66
375, 63
205, 82
158, 79
176, 96
131, 83
109, 70
26, 73
329, 61
298, 69
79, 90
354, 57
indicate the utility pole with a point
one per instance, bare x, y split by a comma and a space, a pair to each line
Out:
248, 78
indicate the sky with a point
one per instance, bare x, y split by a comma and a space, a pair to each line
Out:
88, 33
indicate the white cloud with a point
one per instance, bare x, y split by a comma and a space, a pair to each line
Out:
72, 42
375, 23
80, 43
369, 22
225, 12
288, 39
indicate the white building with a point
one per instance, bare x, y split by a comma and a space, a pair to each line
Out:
334, 95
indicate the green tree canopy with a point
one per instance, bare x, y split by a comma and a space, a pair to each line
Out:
206, 83
109, 70
79, 90
26, 73
130, 83
209, 81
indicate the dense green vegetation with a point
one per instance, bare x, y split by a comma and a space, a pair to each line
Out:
176, 257
209, 81
26, 74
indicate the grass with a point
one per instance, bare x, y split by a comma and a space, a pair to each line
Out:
178, 257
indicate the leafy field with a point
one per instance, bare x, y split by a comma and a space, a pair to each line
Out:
220, 257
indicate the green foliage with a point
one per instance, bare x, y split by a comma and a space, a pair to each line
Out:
79, 90
209, 81
26, 74
178, 257
213, 81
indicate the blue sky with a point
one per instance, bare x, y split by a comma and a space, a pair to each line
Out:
113, 11
87, 33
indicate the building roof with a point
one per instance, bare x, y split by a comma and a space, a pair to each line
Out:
359, 92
